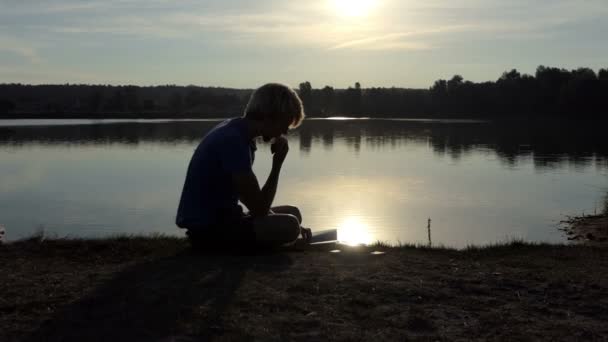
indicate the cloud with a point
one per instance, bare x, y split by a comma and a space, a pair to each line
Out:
273, 28
20, 48
68, 7
394, 41
35, 8
395, 25
41, 74
137, 26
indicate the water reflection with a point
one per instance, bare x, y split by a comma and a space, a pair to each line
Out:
354, 231
372, 180
549, 144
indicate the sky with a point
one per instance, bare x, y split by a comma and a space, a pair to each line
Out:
246, 43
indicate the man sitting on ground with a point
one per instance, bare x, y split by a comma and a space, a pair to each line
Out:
220, 174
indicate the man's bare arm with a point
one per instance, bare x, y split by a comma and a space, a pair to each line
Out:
257, 200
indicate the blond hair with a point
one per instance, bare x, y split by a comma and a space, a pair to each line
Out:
275, 100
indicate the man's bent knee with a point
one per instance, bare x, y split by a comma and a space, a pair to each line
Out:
294, 227
297, 214
279, 228
290, 227
289, 209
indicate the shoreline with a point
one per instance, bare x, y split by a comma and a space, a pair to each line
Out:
157, 288
587, 229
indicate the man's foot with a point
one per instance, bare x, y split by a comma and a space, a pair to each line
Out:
300, 243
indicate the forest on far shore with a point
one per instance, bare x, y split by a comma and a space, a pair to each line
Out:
550, 92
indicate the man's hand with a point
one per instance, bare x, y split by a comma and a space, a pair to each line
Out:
306, 234
279, 150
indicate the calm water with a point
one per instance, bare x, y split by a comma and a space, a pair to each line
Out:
478, 182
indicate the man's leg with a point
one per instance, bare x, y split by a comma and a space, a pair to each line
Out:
288, 209
276, 229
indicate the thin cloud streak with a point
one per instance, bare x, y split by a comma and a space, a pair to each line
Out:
255, 29
40, 75
15, 46
68, 7
26, 8
283, 28
393, 40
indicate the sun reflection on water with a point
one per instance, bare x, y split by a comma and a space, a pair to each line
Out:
353, 231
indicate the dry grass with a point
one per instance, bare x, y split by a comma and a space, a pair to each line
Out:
136, 288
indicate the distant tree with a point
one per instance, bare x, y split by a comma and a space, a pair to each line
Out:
176, 102
552, 77
440, 88
512, 76
117, 101
357, 95
94, 99
327, 100
7, 106
551, 82
350, 101
193, 98
581, 96
305, 90
131, 98
550, 92
510, 97
584, 74
439, 95
149, 104
528, 89
454, 84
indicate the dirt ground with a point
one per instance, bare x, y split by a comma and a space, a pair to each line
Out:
157, 289
588, 229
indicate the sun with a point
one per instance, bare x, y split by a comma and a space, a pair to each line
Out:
352, 8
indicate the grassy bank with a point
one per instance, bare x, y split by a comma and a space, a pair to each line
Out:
157, 289
589, 229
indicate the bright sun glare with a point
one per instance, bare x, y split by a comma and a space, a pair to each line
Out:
354, 232
353, 8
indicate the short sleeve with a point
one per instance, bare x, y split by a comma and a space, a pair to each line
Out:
235, 156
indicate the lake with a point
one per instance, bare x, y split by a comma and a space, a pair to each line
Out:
478, 182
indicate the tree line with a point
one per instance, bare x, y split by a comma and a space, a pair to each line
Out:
578, 93
82, 100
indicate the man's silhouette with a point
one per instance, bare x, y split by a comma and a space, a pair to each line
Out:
220, 174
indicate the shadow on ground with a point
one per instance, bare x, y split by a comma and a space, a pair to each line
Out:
159, 299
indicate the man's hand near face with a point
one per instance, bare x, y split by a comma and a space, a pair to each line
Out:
279, 150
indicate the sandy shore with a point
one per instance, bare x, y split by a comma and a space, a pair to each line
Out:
157, 289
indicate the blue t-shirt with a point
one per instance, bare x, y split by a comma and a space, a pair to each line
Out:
209, 193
